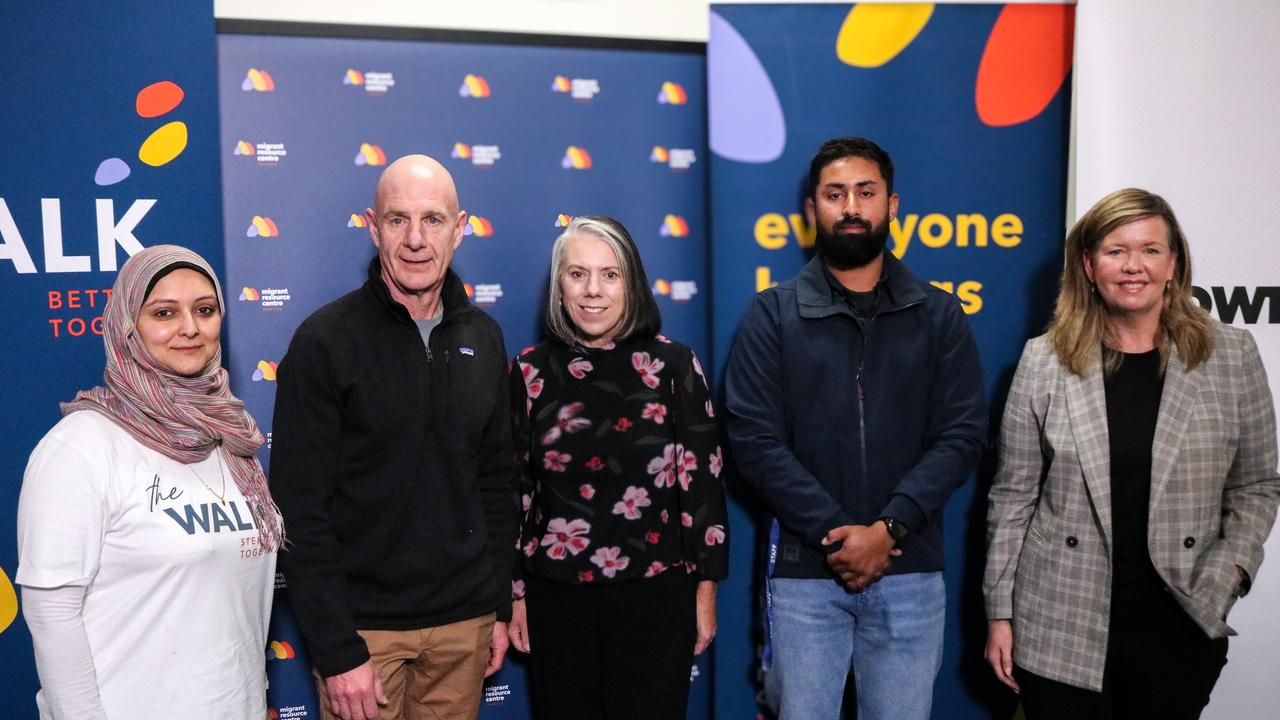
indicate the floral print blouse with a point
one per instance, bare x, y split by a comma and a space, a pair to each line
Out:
619, 462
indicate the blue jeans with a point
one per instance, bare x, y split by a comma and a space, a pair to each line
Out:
890, 634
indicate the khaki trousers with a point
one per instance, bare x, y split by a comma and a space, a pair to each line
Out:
435, 673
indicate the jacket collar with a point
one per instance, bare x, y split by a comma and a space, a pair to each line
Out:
900, 289
453, 295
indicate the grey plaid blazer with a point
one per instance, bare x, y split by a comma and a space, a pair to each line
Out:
1214, 491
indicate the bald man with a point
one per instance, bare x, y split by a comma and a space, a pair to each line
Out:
391, 464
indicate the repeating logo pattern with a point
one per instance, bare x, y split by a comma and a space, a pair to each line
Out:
371, 155
262, 226
576, 158
674, 226
478, 226
474, 86
257, 81
672, 93
266, 370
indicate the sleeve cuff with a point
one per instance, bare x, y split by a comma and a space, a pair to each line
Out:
906, 511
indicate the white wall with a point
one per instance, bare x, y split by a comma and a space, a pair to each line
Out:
682, 20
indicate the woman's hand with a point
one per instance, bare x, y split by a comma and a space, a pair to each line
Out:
518, 628
1000, 651
706, 614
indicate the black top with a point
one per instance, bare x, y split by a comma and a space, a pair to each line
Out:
1143, 613
392, 466
620, 463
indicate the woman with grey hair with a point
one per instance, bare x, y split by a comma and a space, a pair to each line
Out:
623, 535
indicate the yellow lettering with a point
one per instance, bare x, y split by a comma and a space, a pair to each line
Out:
964, 223
763, 281
935, 230
804, 232
944, 285
1006, 230
902, 235
771, 231
970, 300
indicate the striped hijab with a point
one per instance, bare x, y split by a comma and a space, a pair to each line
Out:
182, 418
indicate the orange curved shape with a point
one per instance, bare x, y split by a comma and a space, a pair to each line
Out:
8, 602
1027, 58
159, 98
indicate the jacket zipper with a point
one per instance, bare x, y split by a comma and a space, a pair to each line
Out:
862, 419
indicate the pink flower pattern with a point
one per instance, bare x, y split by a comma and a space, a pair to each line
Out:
714, 535
656, 412
566, 537
610, 560
566, 421
648, 368
556, 461
592, 420
579, 367
632, 500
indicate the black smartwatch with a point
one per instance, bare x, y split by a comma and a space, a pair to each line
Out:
897, 529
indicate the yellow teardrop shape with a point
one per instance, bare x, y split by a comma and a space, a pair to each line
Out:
8, 602
874, 34
165, 144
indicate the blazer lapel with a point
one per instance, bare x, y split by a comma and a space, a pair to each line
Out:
1087, 406
1177, 402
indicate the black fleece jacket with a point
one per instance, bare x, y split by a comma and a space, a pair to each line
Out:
392, 465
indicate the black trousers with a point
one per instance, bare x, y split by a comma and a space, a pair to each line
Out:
1165, 683
611, 652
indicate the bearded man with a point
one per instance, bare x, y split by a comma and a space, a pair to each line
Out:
856, 407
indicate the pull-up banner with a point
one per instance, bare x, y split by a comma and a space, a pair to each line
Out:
972, 103
110, 145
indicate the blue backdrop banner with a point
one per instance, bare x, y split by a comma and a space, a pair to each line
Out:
532, 136
972, 103
111, 145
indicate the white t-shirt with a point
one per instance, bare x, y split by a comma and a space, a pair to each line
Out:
178, 591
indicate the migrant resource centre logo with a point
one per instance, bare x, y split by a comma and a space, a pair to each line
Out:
373, 82
262, 226
576, 158
483, 293
481, 156
257, 81
356, 221
266, 298
563, 220
675, 158
672, 93
474, 86
265, 371
580, 89
478, 226
370, 155
678, 290
280, 650
674, 226
268, 154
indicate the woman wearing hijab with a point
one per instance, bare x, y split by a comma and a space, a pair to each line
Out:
623, 538
146, 534
1136, 486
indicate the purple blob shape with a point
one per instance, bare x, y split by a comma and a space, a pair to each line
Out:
247, 85
743, 113
464, 91
468, 230
111, 171
360, 159
662, 98
565, 162
252, 231
257, 375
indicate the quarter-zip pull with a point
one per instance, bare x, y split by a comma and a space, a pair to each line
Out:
428, 353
